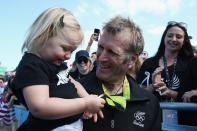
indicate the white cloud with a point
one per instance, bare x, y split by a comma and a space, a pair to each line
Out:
97, 11
133, 7
87, 9
194, 42
81, 9
191, 3
155, 30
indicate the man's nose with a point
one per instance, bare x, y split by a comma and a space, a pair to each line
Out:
102, 56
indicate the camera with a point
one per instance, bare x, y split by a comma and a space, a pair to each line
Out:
96, 33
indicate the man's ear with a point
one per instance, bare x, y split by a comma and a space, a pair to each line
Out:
133, 59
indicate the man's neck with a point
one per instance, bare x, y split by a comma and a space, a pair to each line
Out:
114, 87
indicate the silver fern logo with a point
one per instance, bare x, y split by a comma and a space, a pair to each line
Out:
63, 76
175, 82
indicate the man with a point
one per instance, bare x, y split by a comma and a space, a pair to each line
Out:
128, 108
83, 65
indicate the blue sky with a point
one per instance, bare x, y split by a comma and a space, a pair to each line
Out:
151, 15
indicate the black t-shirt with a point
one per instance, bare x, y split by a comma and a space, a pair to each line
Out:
34, 71
148, 67
77, 75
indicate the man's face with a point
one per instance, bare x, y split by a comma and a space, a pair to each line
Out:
112, 58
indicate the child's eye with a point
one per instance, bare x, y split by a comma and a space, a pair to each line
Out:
64, 48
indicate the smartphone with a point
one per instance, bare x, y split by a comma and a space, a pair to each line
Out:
96, 32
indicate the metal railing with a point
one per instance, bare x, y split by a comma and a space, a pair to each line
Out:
178, 106
169, 112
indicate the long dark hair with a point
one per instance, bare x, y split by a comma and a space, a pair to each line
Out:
186, 50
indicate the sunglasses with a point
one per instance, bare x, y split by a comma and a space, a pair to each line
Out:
181, 24
82, 59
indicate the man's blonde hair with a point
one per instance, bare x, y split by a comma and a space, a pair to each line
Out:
48, 24
119, 24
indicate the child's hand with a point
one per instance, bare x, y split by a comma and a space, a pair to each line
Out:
94, 103
88, 115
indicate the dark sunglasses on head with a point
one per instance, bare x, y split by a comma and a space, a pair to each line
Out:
85, 60
181, 24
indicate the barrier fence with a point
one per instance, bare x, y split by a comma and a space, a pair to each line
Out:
169, 113
170, 119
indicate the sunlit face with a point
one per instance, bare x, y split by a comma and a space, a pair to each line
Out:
112, 58
57, 49
174, 39
83, 65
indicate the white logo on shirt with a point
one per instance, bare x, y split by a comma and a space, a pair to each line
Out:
146, 79
63, 76
176, 82
139, 118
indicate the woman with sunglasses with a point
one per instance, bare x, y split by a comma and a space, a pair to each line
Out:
163, 73
167, 66
84, 65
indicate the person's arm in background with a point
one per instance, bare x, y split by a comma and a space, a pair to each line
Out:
92, 38
160, 86
189, 87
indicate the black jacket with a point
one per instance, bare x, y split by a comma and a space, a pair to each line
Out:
142, 113
189, 117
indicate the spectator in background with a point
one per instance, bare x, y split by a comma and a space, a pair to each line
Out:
128, 107
2, 86
189, 94
84, 65
163, 73
134, 70
195, 50
93, 38
8, 120
93, 57
143, 56
55, 101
